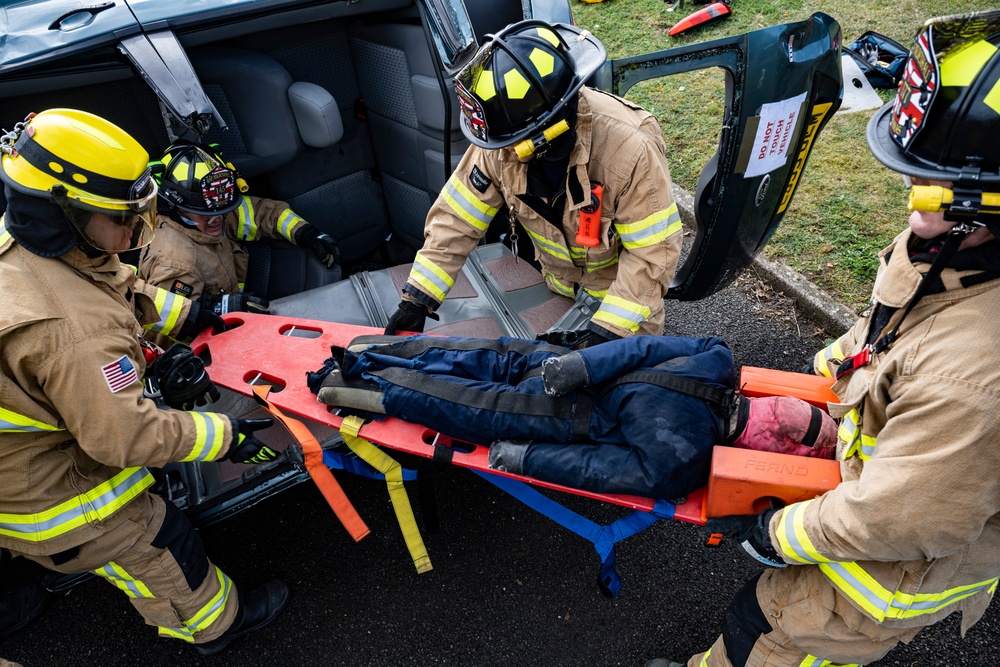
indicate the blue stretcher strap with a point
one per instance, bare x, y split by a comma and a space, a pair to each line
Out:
348, 463
602, 537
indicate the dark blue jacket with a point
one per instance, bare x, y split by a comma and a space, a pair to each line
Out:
636, 437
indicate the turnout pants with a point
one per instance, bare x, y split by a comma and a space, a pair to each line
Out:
793, 617
151, 552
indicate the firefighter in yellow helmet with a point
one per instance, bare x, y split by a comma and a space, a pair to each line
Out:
75, 429
582, 170
204, 219
912, 534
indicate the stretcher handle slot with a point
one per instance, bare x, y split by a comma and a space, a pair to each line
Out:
260, 377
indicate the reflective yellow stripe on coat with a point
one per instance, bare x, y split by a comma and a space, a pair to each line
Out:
466, 205
621, 313
4, 234
651, 229
431, 277
557, 250
856, 442
853, 581
821, 362
210, 435
247, 229
286, 224
12, 422
169, 307
99, 503
813, 661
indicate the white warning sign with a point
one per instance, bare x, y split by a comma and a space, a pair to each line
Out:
774, 135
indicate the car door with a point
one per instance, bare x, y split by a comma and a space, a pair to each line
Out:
781, 85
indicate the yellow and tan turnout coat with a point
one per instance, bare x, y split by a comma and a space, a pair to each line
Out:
912, 533
75, 430
617, 145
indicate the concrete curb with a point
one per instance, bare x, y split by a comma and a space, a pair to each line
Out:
815, 303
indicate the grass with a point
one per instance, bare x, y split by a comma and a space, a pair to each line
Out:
847, 206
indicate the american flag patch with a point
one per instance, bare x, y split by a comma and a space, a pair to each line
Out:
119, 373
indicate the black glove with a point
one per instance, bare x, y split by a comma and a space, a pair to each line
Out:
247, 448
409, 316
182, 380
220, 304
599, 335
320, 244
198, 320
752, 532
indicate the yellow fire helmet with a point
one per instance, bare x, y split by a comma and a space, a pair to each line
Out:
85, 165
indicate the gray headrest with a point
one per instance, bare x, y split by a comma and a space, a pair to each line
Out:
316, 114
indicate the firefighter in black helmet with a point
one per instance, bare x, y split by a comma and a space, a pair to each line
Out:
583, 171
204, 220
912, 534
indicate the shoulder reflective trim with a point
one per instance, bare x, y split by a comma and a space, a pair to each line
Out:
558, 287
246, 229
594, 266
821, 362
466, 205
879, 603
650, 230
856, 443
621, 313
210, 433
117, 575
431, 277
12, 422
813, 661
206, 615
793, 542
286, 224
99, 503
552, 248
4, 234
169, 307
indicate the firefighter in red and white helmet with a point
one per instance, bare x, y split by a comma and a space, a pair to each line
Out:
912, 534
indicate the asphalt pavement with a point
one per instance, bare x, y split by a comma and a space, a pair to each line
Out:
509, 586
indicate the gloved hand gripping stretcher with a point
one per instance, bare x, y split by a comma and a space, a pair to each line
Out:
742, 481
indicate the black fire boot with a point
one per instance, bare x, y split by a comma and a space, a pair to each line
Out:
257, 609
20, 607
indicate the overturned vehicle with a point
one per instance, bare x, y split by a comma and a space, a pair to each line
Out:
346, 110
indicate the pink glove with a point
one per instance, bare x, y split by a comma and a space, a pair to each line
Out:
785, 425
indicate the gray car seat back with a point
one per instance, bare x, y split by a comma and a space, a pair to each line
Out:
406, 111
336, 188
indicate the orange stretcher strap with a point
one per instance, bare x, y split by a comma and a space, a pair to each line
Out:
320, 474
393, 472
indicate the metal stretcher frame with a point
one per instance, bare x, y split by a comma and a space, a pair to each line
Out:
279, 351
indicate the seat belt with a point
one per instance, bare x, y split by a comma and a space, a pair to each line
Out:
320, 474
378, 459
